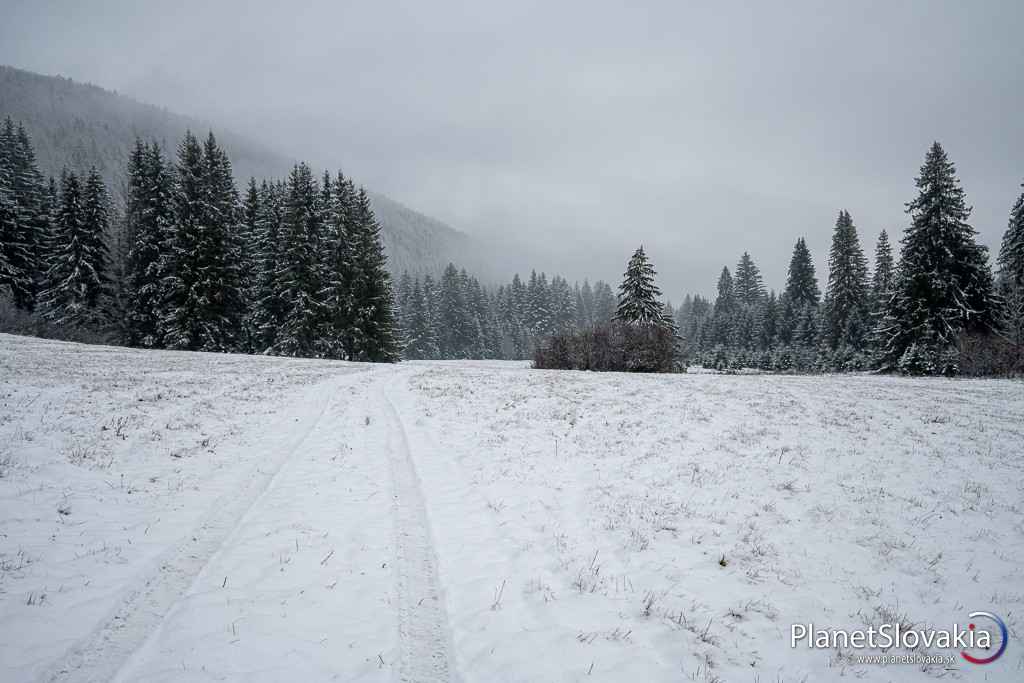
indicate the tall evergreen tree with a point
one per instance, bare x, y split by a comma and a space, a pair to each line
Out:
24, 220
299, 267
338, 256
769, 322
1011, 277
846, 312
884, 274
801, 291
77, 282
372, 333
201, 288
267, 304
563, 305
604, 303
453, 322
585, 306
801, 283
1011, 252
148, 221
14, 253
421, 335
724, 313
249, 263
747, 283
403, 307
639, 297
944, 284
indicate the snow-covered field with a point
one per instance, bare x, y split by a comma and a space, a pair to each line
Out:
173, 516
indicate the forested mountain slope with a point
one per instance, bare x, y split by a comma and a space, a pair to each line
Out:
79, 125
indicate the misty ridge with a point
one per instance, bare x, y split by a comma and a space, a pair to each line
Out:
79, 126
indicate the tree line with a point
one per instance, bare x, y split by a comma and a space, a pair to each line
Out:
454, 316
938, 310
294, 267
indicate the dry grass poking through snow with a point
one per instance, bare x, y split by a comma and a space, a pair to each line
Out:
702, 515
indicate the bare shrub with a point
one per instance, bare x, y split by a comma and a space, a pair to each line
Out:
990, 355
612, 347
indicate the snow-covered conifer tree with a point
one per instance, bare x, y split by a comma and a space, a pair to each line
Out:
944, 284
76, 281
639, 297
846, 311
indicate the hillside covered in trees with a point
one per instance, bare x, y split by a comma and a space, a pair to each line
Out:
80, 127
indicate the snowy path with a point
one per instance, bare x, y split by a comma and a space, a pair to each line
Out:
194, 517
422, 620
100, 656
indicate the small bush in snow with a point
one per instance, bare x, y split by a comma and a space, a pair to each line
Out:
613, 347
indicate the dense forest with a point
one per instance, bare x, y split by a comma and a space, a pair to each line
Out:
453, 316
296, 267
293, 267
288, 267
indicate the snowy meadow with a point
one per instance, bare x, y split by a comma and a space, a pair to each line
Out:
179, 516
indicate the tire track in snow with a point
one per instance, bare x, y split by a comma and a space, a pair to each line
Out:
102, 654
424, 639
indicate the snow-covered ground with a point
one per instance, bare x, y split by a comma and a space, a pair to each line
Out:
174, 516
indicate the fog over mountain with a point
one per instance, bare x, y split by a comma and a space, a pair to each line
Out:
583, 129
77, 126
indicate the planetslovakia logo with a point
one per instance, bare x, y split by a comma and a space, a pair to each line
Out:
1004, 634
980, 637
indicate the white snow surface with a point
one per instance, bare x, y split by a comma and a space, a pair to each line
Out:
172, 516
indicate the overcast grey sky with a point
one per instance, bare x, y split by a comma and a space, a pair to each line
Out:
699, 129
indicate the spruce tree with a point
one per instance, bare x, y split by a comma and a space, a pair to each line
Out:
453, 323
337, 253
801, 291
148, 221
202, 288
724, 313
747, 283
372, 333
944, 285
604, 303
421, 336
801, 283
769, 322
76, 281
267, 305
846, 311
749, 295
585, 306
1011, 277
516, 318
639, 302
403, 308
563, 305
431, 299
1011, 252
299, 267
884, 274
14, 253
537, 315
24, 220
249, 264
